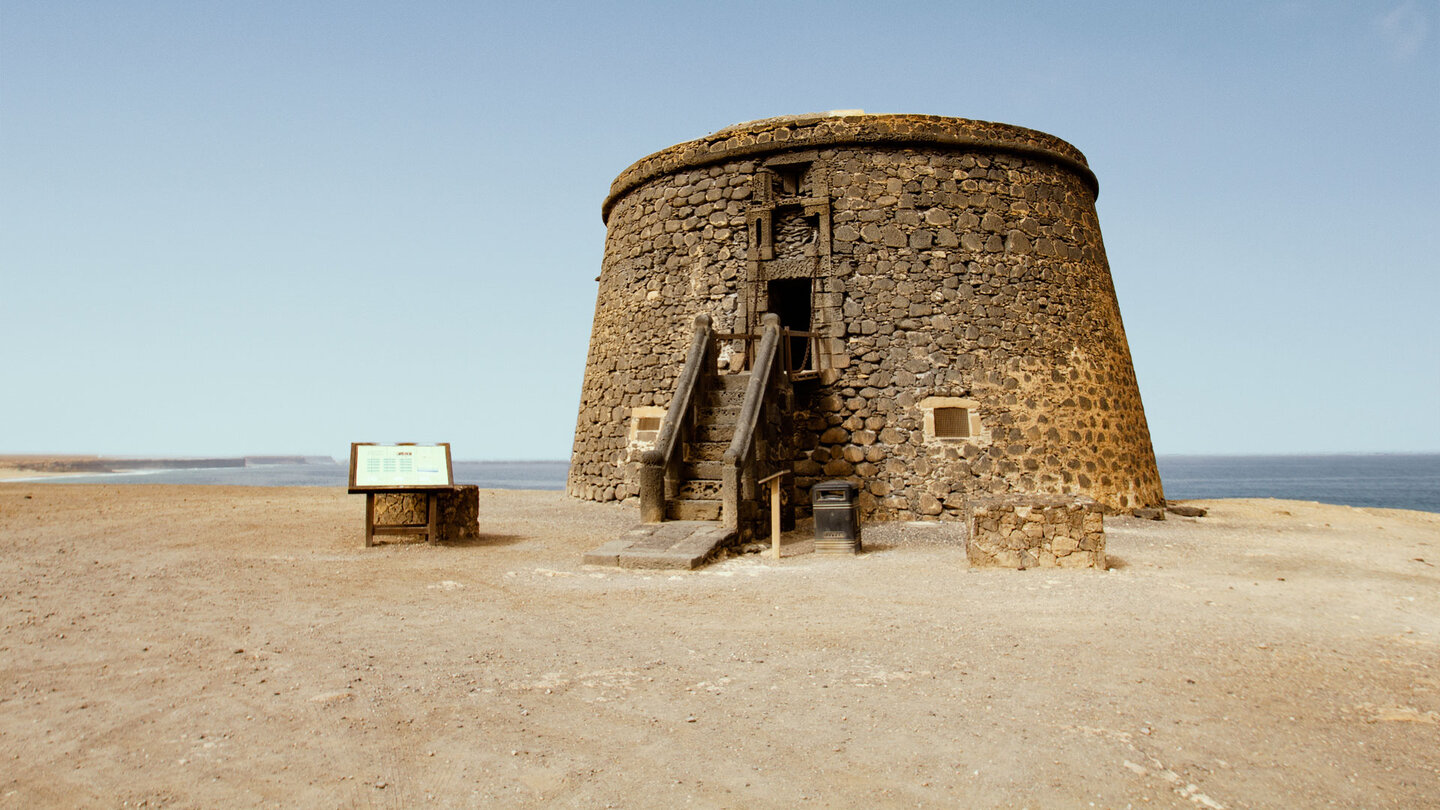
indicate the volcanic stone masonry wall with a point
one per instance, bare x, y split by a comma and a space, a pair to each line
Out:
1036, 533
458, 517
957, 269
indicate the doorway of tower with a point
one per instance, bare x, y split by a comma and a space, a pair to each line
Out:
790, 299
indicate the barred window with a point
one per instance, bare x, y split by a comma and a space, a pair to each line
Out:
949, 419
952, 423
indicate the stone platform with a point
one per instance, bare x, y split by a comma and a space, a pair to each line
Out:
1036, 532
674, 544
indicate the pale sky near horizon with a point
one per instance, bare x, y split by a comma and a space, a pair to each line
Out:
280, 227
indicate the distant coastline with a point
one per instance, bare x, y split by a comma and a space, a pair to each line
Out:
261, 471
105, 464
1383, 480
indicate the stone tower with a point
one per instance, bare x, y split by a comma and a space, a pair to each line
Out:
960, 335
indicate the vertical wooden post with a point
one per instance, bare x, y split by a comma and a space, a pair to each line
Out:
775, 516
431, 512
774, 482
369, 519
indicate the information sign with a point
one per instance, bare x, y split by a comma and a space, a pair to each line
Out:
399, 466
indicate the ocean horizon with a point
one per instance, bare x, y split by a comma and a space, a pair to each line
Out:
1384, 480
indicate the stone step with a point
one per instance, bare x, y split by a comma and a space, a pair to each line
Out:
692, 510
680, 545
724, 399
717, 414
732, 382
706, 451
711, 432
699, 489
712, 470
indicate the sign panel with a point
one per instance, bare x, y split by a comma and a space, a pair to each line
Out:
399, 466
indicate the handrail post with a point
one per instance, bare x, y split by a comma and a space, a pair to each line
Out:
729, 495
652, 492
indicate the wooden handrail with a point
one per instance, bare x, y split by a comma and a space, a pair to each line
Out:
769, 374
788, 364
658, 462
743, 444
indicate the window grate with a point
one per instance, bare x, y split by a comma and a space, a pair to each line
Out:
952, 423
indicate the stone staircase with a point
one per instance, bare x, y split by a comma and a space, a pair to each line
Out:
692, 531
698, 497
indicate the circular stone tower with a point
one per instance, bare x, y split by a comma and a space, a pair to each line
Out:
971, 342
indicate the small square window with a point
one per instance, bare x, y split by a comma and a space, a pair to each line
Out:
949, 419
645, 422
646, 428
952, 423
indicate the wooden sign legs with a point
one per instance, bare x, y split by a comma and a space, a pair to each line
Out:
428, 528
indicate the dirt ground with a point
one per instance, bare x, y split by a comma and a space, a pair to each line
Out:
168, 646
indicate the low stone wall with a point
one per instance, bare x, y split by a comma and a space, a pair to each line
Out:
459, 517
1037, 533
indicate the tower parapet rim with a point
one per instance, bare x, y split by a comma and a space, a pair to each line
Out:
816, 130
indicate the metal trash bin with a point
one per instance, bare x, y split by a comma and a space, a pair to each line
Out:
837, 517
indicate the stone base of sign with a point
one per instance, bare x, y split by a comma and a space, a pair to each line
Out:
1036, 532
458, 518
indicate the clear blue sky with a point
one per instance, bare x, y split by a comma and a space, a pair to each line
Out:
279, 227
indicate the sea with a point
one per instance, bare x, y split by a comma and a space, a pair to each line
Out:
1387, 480
486, 474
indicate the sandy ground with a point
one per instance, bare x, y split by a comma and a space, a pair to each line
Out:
223, 647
